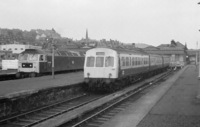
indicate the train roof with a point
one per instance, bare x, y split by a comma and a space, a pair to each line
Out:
33, 51
135, 51
57, 52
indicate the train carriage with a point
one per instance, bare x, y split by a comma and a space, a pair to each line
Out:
105, 68
33, 62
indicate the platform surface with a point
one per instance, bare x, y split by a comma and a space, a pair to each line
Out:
172, 104
13, 88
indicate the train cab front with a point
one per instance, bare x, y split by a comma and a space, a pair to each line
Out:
101, 67
28, 65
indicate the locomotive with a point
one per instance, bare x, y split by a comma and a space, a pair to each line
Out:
108, 69
34, 62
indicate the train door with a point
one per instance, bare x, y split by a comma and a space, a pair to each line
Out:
43, 63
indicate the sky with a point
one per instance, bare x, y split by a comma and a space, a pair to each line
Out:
153, 22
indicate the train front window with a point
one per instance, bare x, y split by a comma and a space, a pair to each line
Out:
33, 57
99, 61
23, 57
90, 61
109, 61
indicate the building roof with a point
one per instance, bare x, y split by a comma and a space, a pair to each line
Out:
166, 52
192, 52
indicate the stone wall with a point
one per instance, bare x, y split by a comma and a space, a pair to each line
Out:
35, 99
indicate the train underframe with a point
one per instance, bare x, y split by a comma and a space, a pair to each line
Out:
111, 85
26, 74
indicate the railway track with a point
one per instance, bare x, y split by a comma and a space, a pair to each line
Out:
36, 116
104, 113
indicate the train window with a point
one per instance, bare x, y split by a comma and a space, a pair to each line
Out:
109, 61
146, 60
135, 61
123, 61
41, 58
33, 57
140, 61
127, 61
132, 61
99, 61
90, 61
23, 56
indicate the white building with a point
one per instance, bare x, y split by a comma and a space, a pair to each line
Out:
17, 48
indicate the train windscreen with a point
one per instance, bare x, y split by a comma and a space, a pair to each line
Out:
90, 61
109, 62
28, 57
99, 61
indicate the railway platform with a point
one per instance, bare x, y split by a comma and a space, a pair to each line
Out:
8, 72
14, 88
171, 104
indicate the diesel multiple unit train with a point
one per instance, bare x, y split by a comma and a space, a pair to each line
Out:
110, 69
33, 62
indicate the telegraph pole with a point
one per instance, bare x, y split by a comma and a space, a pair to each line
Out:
196, 53
51, 42
199, 63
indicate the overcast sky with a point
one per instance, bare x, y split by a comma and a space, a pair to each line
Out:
152, 22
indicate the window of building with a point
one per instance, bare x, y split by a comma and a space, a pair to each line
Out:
15, 48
